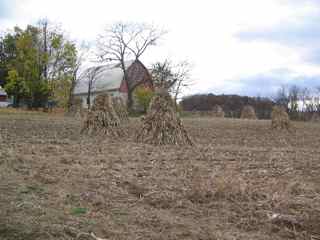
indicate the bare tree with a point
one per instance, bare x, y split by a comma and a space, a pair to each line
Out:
90, 76
182, 75
317, 100
174, 77
282, 97
308, 105
294, 92
123, 41
162, 74
82, 54
304, 96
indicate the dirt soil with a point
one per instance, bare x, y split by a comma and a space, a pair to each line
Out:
241, 180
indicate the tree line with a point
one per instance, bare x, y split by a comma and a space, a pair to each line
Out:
38, 64
301, 103
231, 104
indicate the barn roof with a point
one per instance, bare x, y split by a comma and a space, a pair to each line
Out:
109, 77
2, 92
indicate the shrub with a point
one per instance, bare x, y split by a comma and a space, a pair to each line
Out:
143, 97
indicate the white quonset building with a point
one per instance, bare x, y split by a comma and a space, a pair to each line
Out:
3, 94
109, 79
3, 98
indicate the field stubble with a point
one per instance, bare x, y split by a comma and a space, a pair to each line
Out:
240, 181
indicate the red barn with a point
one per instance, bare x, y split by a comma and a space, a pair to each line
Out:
3, 95
109, 79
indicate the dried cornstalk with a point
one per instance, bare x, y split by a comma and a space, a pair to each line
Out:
217, 112
102, 118
121, 109
76, 109
285, 219
280, 119
162, 125
248, 113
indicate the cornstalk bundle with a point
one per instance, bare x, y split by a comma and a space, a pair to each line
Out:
162, 125
121, 109
217, 112
248, 113
280, 118
102, 118
76, 109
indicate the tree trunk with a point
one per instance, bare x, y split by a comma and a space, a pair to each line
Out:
70, 100
130, 90
130, 100
16, 101
45, 50
71, 90
89, 96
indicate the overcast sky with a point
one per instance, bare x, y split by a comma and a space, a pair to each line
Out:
237, 47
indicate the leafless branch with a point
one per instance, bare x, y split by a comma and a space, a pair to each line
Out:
174, 77
123, 41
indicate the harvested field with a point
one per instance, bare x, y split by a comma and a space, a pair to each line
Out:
239, 181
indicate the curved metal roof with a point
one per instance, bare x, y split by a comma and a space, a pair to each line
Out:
109, 77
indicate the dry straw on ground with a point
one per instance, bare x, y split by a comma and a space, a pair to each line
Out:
120, 108
280, 118
217, 111
162, 125
102, 118
58, 185
248, 112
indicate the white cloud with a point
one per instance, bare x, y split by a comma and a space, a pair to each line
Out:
204, 32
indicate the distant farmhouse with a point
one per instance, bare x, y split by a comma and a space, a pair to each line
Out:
4, 101
109, 79
3, 95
